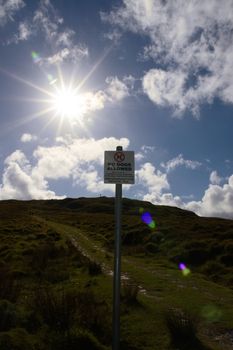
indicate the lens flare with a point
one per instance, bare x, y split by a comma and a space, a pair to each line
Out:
35, 56
147, 218
184, 269
51, 79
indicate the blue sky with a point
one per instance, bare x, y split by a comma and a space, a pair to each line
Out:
78, 78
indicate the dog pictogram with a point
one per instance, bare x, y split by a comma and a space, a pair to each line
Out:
119, 157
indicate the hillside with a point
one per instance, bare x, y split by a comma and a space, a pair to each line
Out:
63, 251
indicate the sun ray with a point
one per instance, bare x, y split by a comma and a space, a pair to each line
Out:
25, 120
60, 75
63, 99
50, 120
93, 69
29, 99
27, 82
59, 127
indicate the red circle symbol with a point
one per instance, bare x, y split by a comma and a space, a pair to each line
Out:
119, 157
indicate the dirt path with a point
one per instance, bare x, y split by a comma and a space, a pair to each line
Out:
158, 281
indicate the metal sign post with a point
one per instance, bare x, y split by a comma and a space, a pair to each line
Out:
118, 169
117, 270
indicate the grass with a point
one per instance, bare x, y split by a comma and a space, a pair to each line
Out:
56, 262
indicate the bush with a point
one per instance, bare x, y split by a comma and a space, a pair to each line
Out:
76, 340
94, 268
16, 339
94, 314
55, 275
213, 269
62, 310
182, 328
8, 315
227, 260
9, 287
56, 309
135, 236
152, 248
41, 255
196, 257
130, 293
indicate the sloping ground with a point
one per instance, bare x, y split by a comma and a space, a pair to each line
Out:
205, 244
62, 246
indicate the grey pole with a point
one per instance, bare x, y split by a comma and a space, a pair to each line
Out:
117, 267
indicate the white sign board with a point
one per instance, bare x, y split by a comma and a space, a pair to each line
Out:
119, 167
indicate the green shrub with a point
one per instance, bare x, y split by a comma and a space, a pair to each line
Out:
55, 275
229, 247
134, 250
182, 329
62, 310
8, 315
130, 293
56, 309
9, 286
52, 234
94, 268
16, 339
41, 255
196, 256
227, 260
94, 314
212, 268
152, 248
80, 339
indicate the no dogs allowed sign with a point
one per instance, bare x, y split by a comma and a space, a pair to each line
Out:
119, 167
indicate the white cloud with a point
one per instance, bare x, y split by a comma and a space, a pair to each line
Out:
60, 160
144, 151
139, 156
73, 54
47, 21
191, 42
217, 201
24, 33
8, 9
81, 160
20, 182
155, 183
117, 90
215, 179
180, 161
50, 25
165, 88
28, 138
77, 159
153, 180
113, 35
164, 199
93, 101
91, 180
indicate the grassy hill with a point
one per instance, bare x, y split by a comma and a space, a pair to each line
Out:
56, 262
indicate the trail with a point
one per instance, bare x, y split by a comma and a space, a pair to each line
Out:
94, 251
159, 281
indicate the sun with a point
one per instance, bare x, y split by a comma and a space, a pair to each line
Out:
63, 102
67, 103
